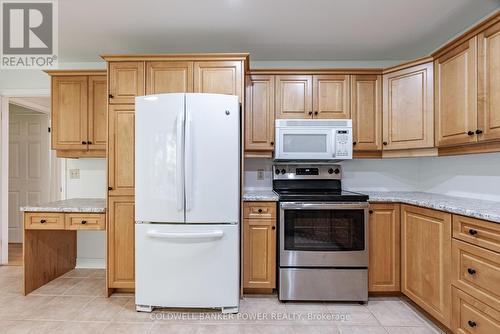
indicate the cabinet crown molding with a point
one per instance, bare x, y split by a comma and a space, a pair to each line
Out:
74, 72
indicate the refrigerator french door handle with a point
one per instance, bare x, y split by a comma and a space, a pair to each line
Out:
216, 234
189, 161
179, 177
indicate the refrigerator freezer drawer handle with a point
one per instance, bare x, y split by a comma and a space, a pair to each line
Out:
186, 235
179, 177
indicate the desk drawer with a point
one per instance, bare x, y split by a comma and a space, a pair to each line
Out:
264, 210
471, 316
478, 232
477, 272
44, 221
85, 221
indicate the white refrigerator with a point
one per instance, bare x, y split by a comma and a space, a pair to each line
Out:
187, 201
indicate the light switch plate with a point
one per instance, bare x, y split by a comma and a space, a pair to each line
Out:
260, 174
74, 173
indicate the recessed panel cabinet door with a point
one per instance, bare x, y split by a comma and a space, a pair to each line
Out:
456, 95
219, 77
331, 96
98, 104
366, 110
294, 96
69, 113
169, 77
426, 260
489, 83
121, 242
408, 108
126, 81
259, 113
121, 122
384, 244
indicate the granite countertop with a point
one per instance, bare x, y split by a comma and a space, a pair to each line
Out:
482, 209
259, 195
93, 205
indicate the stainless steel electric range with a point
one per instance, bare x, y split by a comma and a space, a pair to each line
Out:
323, 235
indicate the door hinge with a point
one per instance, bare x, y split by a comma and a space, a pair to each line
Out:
48, 129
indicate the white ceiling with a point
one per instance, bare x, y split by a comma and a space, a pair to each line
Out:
268, 29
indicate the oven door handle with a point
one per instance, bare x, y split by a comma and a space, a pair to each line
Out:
324, 206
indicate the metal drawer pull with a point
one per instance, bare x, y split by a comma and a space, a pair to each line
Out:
471, 271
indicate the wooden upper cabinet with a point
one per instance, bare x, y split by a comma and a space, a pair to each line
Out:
98, 103
259, 113
426, 260
169, 77
489, 83
121, 150
126, 81
331, 96
219, 77
408, 108
384, 244
69, 112
366, 111
456, 95
294, 96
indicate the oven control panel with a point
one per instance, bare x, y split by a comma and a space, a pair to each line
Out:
305, 172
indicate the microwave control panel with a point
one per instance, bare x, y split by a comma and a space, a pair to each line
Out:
343, 144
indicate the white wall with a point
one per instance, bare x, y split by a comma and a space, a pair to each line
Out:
473, 176
91, 245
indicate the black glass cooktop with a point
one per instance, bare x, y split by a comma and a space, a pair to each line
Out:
322, 195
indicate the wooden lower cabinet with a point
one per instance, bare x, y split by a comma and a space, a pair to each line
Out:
384, 247
121, 243
259, 246
472, 316
426, 260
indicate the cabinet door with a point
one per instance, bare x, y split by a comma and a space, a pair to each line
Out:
219, 77
294, 96
408, 108
489, 83
331, 96
121, 152
98, 103
259, 113
426, 260
259, 253
121, 227
456, 95
384, 248
126, 81
69, 112
366, 110
169, 77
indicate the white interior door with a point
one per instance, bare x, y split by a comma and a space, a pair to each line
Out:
28, 166
212, 158
159, 167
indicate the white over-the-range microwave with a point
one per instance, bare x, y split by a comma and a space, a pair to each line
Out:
313, 139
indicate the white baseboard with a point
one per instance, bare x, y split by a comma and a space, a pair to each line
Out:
90, 263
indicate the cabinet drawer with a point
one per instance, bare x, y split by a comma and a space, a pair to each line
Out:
478, 232
85, 221
472, 316
477, 272
44, 221
259, 210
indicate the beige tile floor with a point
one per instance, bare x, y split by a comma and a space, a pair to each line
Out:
76, 303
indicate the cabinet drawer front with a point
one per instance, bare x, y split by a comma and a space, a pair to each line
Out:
259, 210
44, 221
85, 221
477, 272
478, 232
472, 316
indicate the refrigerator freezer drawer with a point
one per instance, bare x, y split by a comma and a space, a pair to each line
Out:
180, 265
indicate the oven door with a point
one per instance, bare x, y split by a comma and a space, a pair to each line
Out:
304, 143
323, 234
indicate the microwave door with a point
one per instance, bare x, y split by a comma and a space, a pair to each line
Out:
304, 144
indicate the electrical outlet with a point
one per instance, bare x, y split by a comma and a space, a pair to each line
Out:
74, 173
260, 174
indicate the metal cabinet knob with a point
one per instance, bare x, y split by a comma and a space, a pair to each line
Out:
274, 227
84, 222
472, 323
84, 142
479, 131
470, 133
471, 271
472, 232
385, 143
260, 210
43, 221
